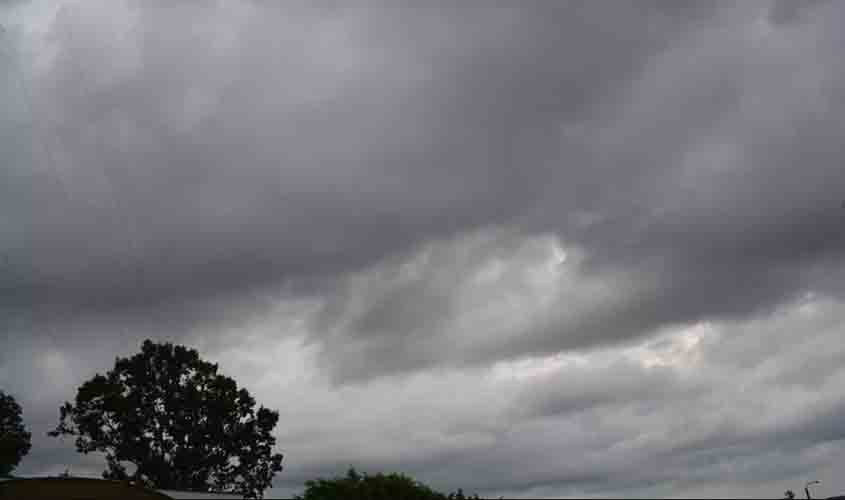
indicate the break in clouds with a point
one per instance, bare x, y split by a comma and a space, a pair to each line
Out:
577, 248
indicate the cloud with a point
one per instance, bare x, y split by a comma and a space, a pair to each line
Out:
247, 133
590, 248
672, 414
270, 147
476, 299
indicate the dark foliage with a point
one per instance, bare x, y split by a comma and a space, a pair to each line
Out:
355, 486
459, 495
14, 438
182, 425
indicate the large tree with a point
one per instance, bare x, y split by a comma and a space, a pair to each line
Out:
179, 422
14, 438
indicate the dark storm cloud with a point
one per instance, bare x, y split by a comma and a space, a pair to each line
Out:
710, 181
268, 143
154, 170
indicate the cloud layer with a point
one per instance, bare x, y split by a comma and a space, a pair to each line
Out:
381, 211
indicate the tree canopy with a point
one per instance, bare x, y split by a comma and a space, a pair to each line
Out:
14, 438
177, 420
355, 486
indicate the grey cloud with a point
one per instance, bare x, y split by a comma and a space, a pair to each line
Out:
228, 160
711, 184
620, 384
783, 11
295, 143
448, 302
729, 424
177, 172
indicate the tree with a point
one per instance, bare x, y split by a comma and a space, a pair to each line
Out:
789, 495
459, 495
14, 438
180, 423
355, 486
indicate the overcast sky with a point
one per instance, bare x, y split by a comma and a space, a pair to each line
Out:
523, 248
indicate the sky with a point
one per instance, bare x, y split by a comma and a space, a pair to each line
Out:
531, 249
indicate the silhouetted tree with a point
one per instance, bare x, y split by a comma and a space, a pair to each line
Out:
182, 425
355, 486
14, 438
459, 495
